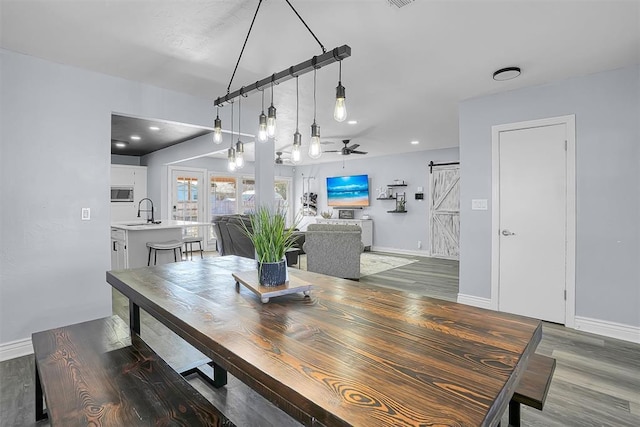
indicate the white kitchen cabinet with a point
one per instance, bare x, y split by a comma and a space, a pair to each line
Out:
128, 176
365, 224
119, 251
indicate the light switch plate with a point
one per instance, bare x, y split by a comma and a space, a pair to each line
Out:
86, 214
479, 204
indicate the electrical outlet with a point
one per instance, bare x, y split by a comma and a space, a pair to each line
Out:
86, 214
419, 244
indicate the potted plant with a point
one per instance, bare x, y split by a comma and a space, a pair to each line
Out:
272, 239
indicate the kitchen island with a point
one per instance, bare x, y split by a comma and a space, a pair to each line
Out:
129, 241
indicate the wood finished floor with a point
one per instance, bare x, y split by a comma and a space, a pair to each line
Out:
596, 382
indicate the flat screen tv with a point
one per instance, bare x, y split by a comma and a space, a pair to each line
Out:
348, 191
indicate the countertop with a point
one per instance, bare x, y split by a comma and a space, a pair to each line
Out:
164, 224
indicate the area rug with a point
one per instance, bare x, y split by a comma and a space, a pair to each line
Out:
371, 263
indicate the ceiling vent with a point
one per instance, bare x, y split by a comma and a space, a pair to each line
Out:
400, 3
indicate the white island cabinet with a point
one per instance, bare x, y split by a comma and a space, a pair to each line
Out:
129, 241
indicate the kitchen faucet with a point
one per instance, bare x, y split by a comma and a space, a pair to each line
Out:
146, 210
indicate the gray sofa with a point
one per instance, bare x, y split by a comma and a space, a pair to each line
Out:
232, 240
334, 250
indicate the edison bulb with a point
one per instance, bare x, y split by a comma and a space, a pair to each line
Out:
340, 111
271, 121
262, 128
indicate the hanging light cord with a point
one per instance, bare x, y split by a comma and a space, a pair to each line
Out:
296, 103
249, 32
305, 24
239, 115
314, 95
231, 123
244, 45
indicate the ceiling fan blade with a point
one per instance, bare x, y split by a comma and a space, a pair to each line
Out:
332, 151
353, 147
358, 152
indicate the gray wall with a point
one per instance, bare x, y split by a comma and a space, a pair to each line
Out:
607, 110
55, 159
400, 232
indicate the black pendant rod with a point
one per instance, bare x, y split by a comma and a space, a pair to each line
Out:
334, 55
243, 46
432, 165
305, 24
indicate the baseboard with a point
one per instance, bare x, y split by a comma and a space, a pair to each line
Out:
14, 349
474, 301
400, 251
608, 329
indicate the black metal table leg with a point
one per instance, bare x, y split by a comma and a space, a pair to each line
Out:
514, 414
41, 413
211, 373
134, 317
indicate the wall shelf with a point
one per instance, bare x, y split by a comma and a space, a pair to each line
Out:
400, 198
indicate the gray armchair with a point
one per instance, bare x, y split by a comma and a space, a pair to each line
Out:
230, 237
334, 250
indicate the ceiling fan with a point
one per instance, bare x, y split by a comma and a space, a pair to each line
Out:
346, 150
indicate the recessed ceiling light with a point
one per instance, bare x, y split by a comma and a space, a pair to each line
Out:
121, 144
135, 137
414, 142
154, 128
506, 74
353, 122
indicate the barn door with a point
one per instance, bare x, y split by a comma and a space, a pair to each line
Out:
444, 212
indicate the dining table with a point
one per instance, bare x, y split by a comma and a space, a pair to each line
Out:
343, 353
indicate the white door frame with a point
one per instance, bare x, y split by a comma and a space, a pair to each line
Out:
202, 202
570, 271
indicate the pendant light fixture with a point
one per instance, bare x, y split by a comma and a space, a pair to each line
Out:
271, 117
340, 111
262, 123
297, 138
315, 150
239, 144
231, 153
217, 128
317, 61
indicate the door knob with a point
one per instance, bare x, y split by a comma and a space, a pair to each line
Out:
507, 233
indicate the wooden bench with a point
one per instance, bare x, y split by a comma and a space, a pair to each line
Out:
533, 387
96, 373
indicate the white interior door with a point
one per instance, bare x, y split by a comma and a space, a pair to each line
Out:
444, 212
531, 203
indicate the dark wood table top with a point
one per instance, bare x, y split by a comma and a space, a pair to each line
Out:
351, 353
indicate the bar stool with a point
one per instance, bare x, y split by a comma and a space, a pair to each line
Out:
188, 245
171, 245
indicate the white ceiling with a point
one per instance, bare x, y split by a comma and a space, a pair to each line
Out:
409, 69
